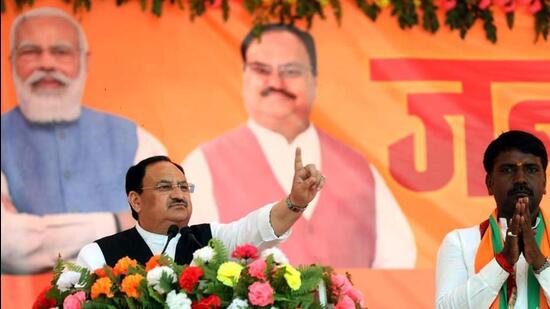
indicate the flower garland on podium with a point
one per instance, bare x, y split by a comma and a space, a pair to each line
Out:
249, 279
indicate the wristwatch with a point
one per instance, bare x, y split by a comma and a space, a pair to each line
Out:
295, 208
543, 267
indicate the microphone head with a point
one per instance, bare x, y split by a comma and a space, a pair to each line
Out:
173, 230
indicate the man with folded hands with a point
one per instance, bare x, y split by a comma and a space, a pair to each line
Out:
503, 262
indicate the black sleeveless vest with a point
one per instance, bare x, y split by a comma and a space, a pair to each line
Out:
130, 243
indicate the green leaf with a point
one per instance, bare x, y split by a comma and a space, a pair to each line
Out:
337, 9
461, 17
225, 10
130, 303
430, 22
542, 21
405, 12
510, 20
99, 303
165, 282
156, 9
489, 25
155, 295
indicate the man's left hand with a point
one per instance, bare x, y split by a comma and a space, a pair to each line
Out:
531, 250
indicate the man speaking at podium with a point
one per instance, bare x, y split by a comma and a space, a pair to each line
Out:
160, 197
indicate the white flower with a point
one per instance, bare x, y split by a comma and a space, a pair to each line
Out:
278, 256
67, 280
153, 277
177, 300
238, 303
205, 254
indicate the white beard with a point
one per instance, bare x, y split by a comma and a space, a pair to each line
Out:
43, 107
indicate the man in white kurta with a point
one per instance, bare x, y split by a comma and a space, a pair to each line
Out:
160, 198
504, 261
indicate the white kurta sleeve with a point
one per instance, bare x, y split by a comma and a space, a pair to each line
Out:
395, 244
91, 257
544, 281
255, 228
455, 286
197, 171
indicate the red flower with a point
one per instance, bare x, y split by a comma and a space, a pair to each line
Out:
447, 4
246, 251
189, 278
212, 301
43, 302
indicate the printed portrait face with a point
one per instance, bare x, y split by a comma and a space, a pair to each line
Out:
48, 69
278, 86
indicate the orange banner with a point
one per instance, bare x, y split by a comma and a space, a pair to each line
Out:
420, 107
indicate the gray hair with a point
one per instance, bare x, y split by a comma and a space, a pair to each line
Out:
48, 11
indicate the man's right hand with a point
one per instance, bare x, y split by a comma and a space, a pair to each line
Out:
511, 248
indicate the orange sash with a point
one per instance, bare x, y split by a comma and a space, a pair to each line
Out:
486, 253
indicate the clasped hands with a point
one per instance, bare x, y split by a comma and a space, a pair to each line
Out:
520, 237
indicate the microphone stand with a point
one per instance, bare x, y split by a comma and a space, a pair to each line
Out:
187, 231
172, 232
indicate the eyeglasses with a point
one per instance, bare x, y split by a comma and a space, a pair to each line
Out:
289, 70
168, 187
61, 53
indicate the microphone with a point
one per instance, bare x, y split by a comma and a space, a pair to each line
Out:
187, 231
172, 232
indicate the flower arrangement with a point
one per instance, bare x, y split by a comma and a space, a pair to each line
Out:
249, 279
459, 15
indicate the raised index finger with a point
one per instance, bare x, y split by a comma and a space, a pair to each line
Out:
298, 160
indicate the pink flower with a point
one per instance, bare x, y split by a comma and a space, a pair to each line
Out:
246, 251
260, 294
535, 6
356, 296
345, 303
340, 285
483, 4
257, 269
508, 6
74, 301
447, 4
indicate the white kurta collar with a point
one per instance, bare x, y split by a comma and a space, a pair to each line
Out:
155, 241
280, 155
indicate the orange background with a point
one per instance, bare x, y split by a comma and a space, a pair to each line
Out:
181, 80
